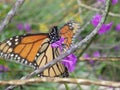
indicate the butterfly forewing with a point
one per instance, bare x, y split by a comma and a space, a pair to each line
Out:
22, 48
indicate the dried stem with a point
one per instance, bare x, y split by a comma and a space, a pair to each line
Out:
11, 14
62, 80
100, 59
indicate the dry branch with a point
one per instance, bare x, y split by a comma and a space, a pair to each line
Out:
11, 14
100, 59
62, 80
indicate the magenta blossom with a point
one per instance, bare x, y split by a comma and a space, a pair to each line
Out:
113, 1
117, 28
95, 54
20, 26
3, 69
117, 48
70, 62
96, 19
104, 28
87, 56
27, 27
58, 43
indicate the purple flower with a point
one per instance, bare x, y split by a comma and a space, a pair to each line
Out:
3, 69
96, 54
27, 27
104, 28
70, 62
87, 57
96, 19
58, 43
113, 1
20, 26
117, 28
117, 48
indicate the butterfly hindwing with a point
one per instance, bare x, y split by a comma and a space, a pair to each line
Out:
54, 71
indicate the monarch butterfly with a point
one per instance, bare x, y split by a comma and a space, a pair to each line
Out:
35, 49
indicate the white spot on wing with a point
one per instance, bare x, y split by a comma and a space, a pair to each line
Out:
16, 39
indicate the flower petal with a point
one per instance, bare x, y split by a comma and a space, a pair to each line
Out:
3, 69
105, 28
27, 27
20, 26
96, 19
58, 44
70, 62
117, 28
96, 54
114, 2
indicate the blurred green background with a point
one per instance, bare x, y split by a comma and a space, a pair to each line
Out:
40, 16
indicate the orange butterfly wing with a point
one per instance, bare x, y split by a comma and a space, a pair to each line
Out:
29, 46
23, 48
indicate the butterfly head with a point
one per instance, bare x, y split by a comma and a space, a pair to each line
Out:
67, 32
70, 26
53, 35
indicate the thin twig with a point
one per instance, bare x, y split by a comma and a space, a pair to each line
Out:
104, 46
62, 80
11, 14
98, 10
71, 50
100, 59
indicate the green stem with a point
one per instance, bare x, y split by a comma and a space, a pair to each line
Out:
66, 86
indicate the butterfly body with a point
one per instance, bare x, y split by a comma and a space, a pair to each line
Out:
36, 50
